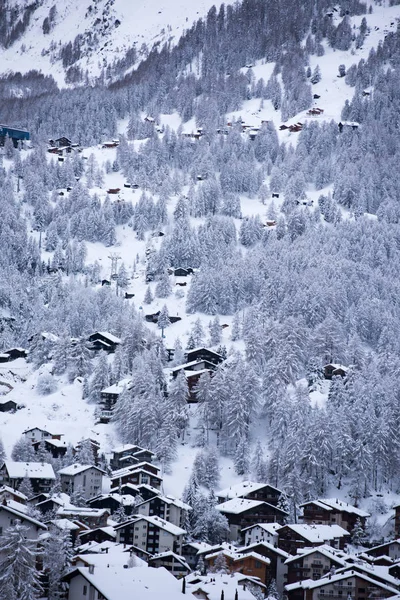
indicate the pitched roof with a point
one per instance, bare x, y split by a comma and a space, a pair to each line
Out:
325, 550
117, 583
77, 468
22, 516
235, 506
168, 500
157, 521
270, 528
339, 505
242, 489
267, 546
310, 584
33, 470
113, 338
118, 388
317, 533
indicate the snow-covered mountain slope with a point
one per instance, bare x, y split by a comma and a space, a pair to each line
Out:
106, 30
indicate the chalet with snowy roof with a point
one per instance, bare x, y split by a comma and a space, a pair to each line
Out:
65, 525
312, 563
252, 491
174, 563
9, 515
277, 558
151, 533
261, 532
7, 493
86, 478
250, 563
8, 405
14, 353
38, 434
139, 474
379, 573
294, 537
226, 585
109, 397
129, 454
331, 511
335, 370
143, 490
98, 535
166, 507
90, 517
103, 340
390, 549
41, 475
190, 552
57, 448
114, 502
53, 503
153, 318
94, 446
344, 585
118, 583
242, 513
204, 354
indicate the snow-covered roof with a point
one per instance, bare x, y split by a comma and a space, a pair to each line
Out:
267, 546
118, 388
21, 515
33, 470
337, 504
81, 511
65, 524
158, 522
113, 338
133, 469
169, 500
212, 585
117, 583
61, 499
242, 489
125, 500
318, 533
325, 550
310, 584
186, 365
238, 505
129, 447
38, 429
9, 490
114, 557
375, 571
270, 528
237, 556
56, 443
169, 553
77, 468
202, 348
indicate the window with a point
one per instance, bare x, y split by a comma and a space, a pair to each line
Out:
85, 590
257, 564
1, 531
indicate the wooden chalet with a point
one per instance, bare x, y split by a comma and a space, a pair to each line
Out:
174, 563
204, 354
312, 564
153, 318
295, 537
333, 370
143, 490
332, 511
14, 353
251, 490
8, 405
390, 549
113, 502
250, 563
277, 558
337, 586
99, 535
41, 475
103, 340
57, 448
90, 517
242, 513
128, 454
109, 397
143, 473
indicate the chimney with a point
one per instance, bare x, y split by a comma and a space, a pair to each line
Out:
183, 586
91, 569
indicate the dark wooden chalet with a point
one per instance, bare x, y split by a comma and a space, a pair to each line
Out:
112, 502
153, 318
332, 511
242, 513
98, 535
181, 272
276, 556
248, 564
62, 142
391, 549
57, 448
144, 490
15, 353
333, 370
8, 406
138, 476
292, 538
351, 584
103, 340
174, 563
252, 491
128, 454
204, 354
94, 445
105, 282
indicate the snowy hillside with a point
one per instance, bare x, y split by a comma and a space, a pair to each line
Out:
104, 30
